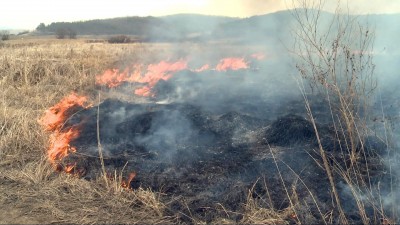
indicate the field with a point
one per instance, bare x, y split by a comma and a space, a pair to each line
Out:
35, 74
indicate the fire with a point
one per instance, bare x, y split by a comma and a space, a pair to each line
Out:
203, 68
231, 64
126, 183
144, 91
70, 168
163, 70
111, 78
60, 139
114, 77
55, 117
59, 144
156, 72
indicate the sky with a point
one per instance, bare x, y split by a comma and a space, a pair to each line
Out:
28, 14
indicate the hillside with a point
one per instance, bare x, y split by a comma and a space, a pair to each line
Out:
172, 27
273, 28
276, 28
192, 23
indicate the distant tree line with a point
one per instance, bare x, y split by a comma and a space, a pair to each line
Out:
172, 28
143, 27
5, 35
61, 32
127, 26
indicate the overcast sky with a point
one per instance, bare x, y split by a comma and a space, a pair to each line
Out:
27, 14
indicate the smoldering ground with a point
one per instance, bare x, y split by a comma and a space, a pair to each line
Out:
210, 138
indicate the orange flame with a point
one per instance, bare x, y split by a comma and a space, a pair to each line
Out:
60, 139
126, 183
156, 72
70, 168
113, 77
144, 91
59, 144
55, 117
162, 71
203, 68
231, 64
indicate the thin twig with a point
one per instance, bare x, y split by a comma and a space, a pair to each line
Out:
99, 143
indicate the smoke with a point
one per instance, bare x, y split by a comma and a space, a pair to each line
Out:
211, 131
168, 132
256, 7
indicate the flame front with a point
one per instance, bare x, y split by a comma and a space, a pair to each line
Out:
59, 144
232, 64
55, 117
114, 77
203, 68
163, 70
156, 72
60, 139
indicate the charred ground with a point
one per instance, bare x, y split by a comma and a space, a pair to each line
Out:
200, 159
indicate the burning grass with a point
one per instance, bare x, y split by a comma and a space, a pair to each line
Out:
38, 75
35, 75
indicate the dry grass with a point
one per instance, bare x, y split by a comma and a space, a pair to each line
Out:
257, 213
36, 194
34, 76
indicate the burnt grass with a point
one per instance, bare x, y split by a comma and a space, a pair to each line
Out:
201, 160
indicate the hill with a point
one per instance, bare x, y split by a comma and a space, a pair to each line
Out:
273, 28
174, 27
277, 28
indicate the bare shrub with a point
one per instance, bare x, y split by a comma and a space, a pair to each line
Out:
335, 57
